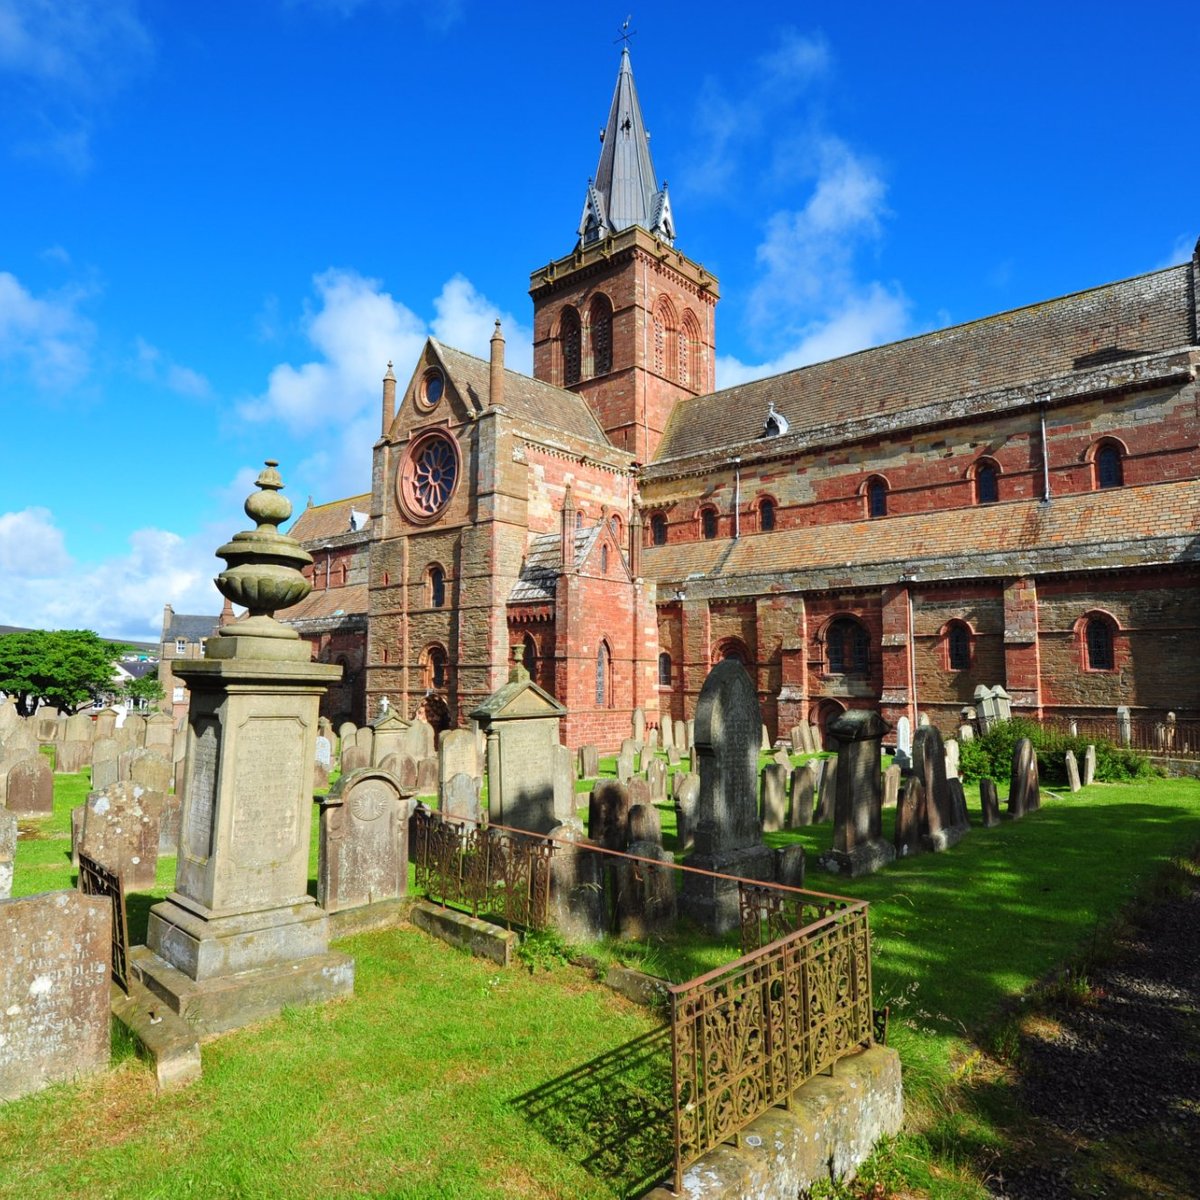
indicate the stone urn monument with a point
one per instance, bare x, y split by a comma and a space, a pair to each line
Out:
240, 937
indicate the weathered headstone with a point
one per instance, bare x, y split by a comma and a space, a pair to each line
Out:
79, 728
54, 989
944, 825
363, 850
389, 735
354, 759
638, 722
404, 768
803, 778
30, 789
672, 756
666, 732
650, 743
460, 798
20, 743
427, 776
608, 814
910, 818
796, 737
577, 908
105, 723
456, 754
150, 770
904, 744
826, 790
689, 736
1089, 766
789, 866
10, 719
687, 796
159, 734
1124, 725
634, 750
564, 784
324, 753
104, 763
951, 759
966, 733
680, 735
858, 844
656, 777
1072, 765
728, 833
644, 824
891, 786
121, 832
364, 743
71, 757
639, 791
782, 758
626, 765
1024, 795
347, 731
774, 798
646, 896
589, 762
989, 803
8, 851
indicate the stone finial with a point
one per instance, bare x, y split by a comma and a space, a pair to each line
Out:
389, 399
263, 572
496, 368
517, 672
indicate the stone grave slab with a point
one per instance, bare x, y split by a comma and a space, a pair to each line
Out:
30, 787
362, 854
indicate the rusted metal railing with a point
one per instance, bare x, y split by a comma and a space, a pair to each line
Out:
488, 870
1147, 735
745, 1036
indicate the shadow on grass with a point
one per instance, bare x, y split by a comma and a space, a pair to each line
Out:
612, 1115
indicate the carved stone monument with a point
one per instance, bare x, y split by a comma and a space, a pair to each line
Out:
728, 834
240, 937
859, 847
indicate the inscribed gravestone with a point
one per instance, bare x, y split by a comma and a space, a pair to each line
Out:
1072, 765
608, 814
891, 786
687, 795
774, 798
989, 803
10, 719
404, 768
796, 734
20, 743
858, 844
324, 753
121, 831
71, 757
951, 759
150, 770
1024, 795
30, 789
346, 731
802, 794
625, 765
680, 735
427, 776
672, 756
644, 824
78, 728
8, 851
944, 823
656, 777
639, 792
104, 763
105, 724
666, 732
354, 758
460, 798
728, 834
789, 866
564, 784
646, 896
456, 754
1089, 765
362, 855
638, 722
364, 742
910, 818
389, 735
160, 734
54, 990
589, 762
577, 907
826, 790
904, 743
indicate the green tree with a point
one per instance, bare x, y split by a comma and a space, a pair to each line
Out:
146, 691
65, 667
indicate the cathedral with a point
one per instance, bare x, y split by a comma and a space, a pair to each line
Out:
1011, 501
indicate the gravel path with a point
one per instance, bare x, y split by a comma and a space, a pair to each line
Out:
1114, 1085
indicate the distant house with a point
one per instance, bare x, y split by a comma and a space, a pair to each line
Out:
183, 636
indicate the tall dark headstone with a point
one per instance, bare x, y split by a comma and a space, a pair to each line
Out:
1024, 794
728, 835
859, 847
989, 803
910, 818
944, 823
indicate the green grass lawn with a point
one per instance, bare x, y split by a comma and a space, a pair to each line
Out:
445, 1076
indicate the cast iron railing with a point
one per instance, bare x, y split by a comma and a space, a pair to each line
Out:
745, 1036
489, 870
1146, 735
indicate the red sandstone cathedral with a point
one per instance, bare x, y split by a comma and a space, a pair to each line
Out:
1012, 501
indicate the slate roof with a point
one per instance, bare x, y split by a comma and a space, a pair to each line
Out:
525, 397
325, 604
543, 565
991, 539
320, 521
190, 627
1108, 324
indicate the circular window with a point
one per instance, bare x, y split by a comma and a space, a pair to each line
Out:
432, 387
428, 475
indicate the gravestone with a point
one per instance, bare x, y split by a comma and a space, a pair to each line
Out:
71, 757
347, 731
46, 729
639, 725
634, 750
564, 785
626, 765
362, 854
10, 719
891, 786
802, 781
1124, 725
121, 832
951, 759
456, 754
354, 758
765, 745
687, 796
159, 734
134, 728
54, 989
656, 777
796, 739
639, 791
904, 744
79, 728
1024, 795
589, 762
672, 756
105, 724
460, 798
782, 759
323, 755
789, 866
1072, 771
650, 744
923, 720
104, 763
577, 908
680, 735
689, 735
1089, 766
666, 732
427, 776
645, 894
944, 824
858, 844
364, 743
774, 798
989, 803
404, 767
728, 834
910, 818
966, 733
826, 790
240, 937
8, 851
388, 735
644, 824
608, 814
30, 788
150, 770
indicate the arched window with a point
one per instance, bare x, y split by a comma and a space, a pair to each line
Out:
666, 354
708, 523
658, 530
600, 320
877, 497
529, 657
603, 676
1110, 470
604, 559
578, 520
572, 346
1098, 644
689, 352
958, 646
664, 670
437, 587
614, 523
766, 515
847, 648
987, 482
435, 669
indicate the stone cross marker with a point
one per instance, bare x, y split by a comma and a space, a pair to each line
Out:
728, 834
362, 854
54, 989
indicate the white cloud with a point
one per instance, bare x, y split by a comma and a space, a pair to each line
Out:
43, 336
154, 366
30, 545
356, 328
1180, 252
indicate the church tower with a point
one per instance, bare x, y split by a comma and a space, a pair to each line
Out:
626, 320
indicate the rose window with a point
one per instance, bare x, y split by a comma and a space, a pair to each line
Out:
428, 476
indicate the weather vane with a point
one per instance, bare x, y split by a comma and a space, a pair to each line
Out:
625, 35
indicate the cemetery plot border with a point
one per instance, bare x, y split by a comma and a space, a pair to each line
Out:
745, 1036
95, 879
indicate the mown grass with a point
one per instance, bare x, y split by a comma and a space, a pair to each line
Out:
445, 1076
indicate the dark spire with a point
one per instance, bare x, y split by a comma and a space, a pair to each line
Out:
625, 191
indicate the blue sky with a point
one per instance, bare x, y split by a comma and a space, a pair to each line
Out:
219, 221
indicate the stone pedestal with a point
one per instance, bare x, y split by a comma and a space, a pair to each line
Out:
859, 847
240, 937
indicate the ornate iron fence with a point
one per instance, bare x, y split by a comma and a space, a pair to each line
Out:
487, 869
745, 1036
